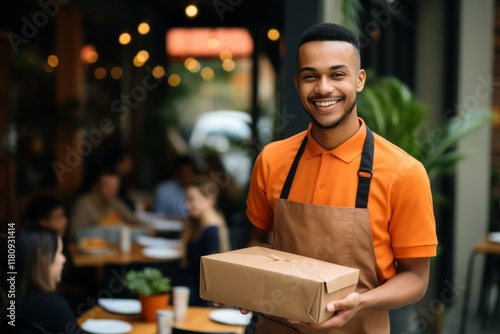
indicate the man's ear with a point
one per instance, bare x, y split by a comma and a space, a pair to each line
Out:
360, 83
296, 82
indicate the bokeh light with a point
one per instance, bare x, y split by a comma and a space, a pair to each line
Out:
192, 64
191, 11
89, 55
228, 65
124, 38
174, 80
142, 56
273, 34
100, 73
207, 73
225, 54
143, 28
48, 68
116, 72
213, 43
53, 61
158, 72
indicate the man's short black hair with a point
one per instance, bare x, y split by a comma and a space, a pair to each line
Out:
329, 32
41, 207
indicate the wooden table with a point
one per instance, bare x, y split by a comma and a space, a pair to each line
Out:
114, 256
197, 319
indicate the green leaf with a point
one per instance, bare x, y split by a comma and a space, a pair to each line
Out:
148, 282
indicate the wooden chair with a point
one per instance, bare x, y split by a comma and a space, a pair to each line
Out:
490, 249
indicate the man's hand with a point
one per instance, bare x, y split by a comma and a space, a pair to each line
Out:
343, 311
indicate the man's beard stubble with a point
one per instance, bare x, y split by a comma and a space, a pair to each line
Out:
335, 123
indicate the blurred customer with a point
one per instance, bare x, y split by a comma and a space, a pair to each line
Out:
231, 199
48, 212
101, 206
205, 233
40, 261
170, 197
121, 160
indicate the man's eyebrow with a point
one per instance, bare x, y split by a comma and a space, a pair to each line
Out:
312, 69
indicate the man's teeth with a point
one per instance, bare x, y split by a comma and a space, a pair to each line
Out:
327, 103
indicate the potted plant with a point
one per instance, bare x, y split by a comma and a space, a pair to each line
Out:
152, 288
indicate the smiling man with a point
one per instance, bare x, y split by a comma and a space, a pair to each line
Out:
340, 193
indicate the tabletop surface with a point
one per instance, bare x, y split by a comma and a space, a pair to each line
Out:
112, 256
486, 246
197, 319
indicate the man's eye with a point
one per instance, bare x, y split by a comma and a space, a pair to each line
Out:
337, 74
309, 76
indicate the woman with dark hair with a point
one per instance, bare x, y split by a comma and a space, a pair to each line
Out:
40, 261
205, 233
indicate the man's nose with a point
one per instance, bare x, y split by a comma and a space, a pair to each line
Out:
324, 86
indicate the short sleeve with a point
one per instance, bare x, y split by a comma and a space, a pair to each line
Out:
259, 212
413, 227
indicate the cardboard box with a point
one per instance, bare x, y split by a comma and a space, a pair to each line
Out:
276, 283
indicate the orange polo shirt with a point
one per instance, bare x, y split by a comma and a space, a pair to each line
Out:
400, 201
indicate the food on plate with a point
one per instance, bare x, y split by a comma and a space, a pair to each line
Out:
93, 243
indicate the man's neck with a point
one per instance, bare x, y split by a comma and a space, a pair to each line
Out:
332, 138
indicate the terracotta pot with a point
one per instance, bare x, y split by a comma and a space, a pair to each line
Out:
150, 304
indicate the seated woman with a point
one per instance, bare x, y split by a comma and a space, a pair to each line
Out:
205, 233
40, 261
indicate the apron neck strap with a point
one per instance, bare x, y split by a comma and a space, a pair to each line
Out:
291, 174
365, 172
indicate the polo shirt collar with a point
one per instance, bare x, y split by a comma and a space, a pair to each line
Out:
346, 152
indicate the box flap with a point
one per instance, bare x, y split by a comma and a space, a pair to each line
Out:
343, 280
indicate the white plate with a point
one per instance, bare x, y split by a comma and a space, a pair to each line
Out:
147, 241
231, 317
166, 225
122, 306
106, 326
162, 253
494, 237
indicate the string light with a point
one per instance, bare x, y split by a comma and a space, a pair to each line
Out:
53, 61
191, 11
124, 38
174, 80
273, 34
207, 73
143, 28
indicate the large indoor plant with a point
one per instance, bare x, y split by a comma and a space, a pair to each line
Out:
152, 288
390, 109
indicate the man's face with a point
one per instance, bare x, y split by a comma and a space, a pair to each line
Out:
327, 81
57, 220
108, 186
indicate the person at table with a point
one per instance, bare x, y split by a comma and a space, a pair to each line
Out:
121, 160
204, 234
169, 196
40, 261
101, 206
47, 211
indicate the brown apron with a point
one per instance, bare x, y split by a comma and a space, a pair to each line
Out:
339, 235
